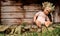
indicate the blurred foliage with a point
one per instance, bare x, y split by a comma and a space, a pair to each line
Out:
53, 30
1, 34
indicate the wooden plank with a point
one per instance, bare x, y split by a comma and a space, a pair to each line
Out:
11, 8
30, 14
11, 3
32, 8
27, 20
12, 15
11, 21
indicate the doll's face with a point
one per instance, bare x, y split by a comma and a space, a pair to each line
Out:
47, 10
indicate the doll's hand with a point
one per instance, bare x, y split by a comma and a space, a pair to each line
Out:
47, 23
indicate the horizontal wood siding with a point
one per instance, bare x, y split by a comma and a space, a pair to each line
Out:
16, 14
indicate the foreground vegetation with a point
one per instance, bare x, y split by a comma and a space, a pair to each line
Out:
53, 30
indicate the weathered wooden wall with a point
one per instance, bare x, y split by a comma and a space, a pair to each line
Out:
16, 13
57, 14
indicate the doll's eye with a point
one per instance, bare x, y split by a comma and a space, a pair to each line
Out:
48, 10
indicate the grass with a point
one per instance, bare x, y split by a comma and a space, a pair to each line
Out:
53, 30
50, 31
1, 34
